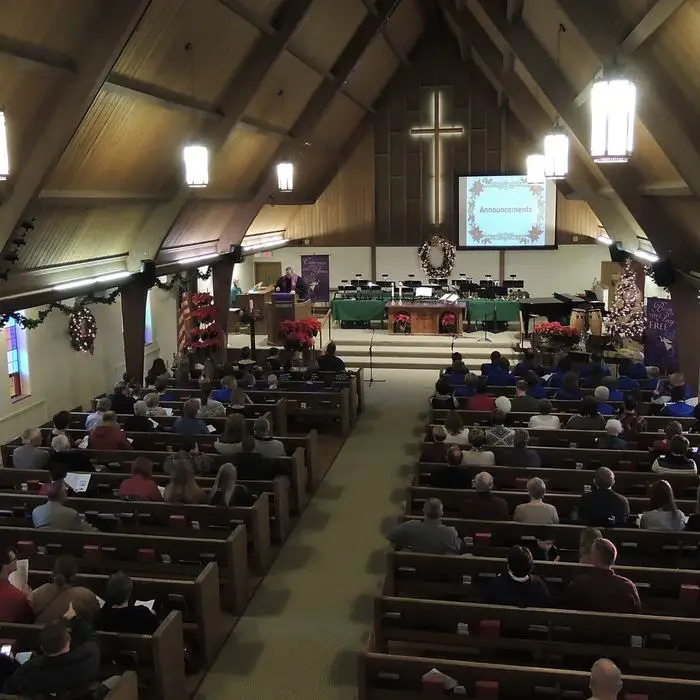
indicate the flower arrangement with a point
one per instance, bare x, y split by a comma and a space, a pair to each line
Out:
554, 329
448, 322
206, 332
402, 323
299, 335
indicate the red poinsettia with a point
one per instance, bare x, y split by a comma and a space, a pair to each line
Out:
299, 335
554, 329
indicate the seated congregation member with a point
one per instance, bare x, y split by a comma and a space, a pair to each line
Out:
663, 513
603, 506
661, 447
210, 407
588, 417
226, 492
234, 430
108, 436
677, 460
188, 423
160, 387
267, 445
600, 589
247, 381
483, 505
479, 455
520, 455
527, 364
601, 394
457, 434
57, 472
139, 422
522, 403
56, 515
182, 487
611, 440
632, 422
50, 601
614, 393
158, 369
30, 455
329, 361
605, 681
121, 401
468, 388
536, 511
251, 465
457, 366
189, 452
272, 382
61, 423
544, 420
273, 359
562, 367
68, 665
228, 384
119, 614
443, 396
14, 604
435, 451
140, 485
677, 380
153, 407
426, 536
569, 390
535, 389
595, 366
452, 476
72, 460
517, 586
498, 433
500, 375
488, 367
652, 380
482, 400
677, 407
502, 404
585, 543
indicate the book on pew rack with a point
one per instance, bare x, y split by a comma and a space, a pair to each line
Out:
78, 482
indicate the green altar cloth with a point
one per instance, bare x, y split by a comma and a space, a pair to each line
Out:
483, 310
358, 309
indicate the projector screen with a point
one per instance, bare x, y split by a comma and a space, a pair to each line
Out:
504, 211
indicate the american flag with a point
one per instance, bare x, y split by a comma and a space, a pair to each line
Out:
184, 323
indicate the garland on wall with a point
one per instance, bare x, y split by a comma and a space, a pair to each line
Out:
448, 256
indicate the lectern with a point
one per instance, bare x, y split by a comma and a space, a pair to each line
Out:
284, 307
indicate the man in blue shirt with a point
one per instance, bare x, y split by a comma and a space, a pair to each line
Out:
500, 376
595, 366
228, 384
625, 382
601, 396
488, 367
677, 407
527, 364
535, 389
564, 366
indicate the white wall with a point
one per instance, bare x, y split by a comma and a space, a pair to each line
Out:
61, 378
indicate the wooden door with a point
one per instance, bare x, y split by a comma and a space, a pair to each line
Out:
268, 272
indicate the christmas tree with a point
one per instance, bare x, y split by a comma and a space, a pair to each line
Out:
626, 318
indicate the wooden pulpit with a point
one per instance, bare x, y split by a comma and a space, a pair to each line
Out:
284, 307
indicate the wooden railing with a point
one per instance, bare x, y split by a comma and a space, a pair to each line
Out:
325, 320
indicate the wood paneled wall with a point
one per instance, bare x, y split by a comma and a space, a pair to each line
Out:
575, 220
344, 213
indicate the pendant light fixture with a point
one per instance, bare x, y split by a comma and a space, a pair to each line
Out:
613, 108
285, 176
534, 166
195, 154
556, 142
4, 154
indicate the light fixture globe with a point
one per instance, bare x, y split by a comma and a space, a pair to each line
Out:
556, 154
196, 157
285, 176
613, 109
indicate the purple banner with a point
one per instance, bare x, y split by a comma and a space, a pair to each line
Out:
315, 270
660, 335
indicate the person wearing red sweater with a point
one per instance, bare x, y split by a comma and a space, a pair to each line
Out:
481, 401
14, 604
140, 485
108, 436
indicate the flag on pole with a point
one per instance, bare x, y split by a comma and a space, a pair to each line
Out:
184, 323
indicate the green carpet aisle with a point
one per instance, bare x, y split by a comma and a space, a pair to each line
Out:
299, 637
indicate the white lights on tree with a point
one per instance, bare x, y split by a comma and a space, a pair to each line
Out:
4, 155
196, 159
556, 154
285, 177
534, 167
613, 106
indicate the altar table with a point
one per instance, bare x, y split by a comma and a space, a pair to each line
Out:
425, 316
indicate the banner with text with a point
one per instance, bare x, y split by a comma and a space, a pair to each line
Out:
660, 335
315, 270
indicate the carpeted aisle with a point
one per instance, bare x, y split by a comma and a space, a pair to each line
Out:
302, 630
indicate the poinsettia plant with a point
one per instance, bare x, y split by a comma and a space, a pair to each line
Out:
448, 322
402, 323
299, 335
206, 334
554, 329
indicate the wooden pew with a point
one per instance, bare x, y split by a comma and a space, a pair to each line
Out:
159, 657
440, 577
394, 677
567, 480
643, 547
104, 484
536, 635
126, 688
156, 556
146, 517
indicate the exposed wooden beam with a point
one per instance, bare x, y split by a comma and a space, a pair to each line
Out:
659, 13
403, 59
313, 113
36, 57
53, 130
661, 106
238, 94
669, 238
250, 16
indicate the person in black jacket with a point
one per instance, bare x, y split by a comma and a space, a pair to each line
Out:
139, 422
517, 586
119, 614
330, 362
121, 400
520, 455
454, 475
69, 661
603, 507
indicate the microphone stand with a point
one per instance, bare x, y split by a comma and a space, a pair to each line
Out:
371, 379
486, 338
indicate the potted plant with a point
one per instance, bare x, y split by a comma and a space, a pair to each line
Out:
551, 334
402, 323
299, 337
448, 322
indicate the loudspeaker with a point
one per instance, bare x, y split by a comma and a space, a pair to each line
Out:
148, 270
617, 253
237, 251
663, 274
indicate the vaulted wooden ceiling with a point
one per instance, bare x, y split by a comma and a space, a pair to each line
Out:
100, 96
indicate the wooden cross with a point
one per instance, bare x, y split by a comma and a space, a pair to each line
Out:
436, 132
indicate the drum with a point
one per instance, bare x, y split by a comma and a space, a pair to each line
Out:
595, 321
578, 319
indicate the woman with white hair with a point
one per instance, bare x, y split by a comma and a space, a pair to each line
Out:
536, 511
612, 440
153, 407
139, 422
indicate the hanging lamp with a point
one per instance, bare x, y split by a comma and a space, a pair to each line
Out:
613, 108
195, 154
534, 168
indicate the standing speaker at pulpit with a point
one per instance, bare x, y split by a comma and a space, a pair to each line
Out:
289, 282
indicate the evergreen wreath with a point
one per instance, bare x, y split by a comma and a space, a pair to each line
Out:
82, 328
448, 257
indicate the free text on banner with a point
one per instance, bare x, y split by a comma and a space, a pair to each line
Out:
660, 335
315, 270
